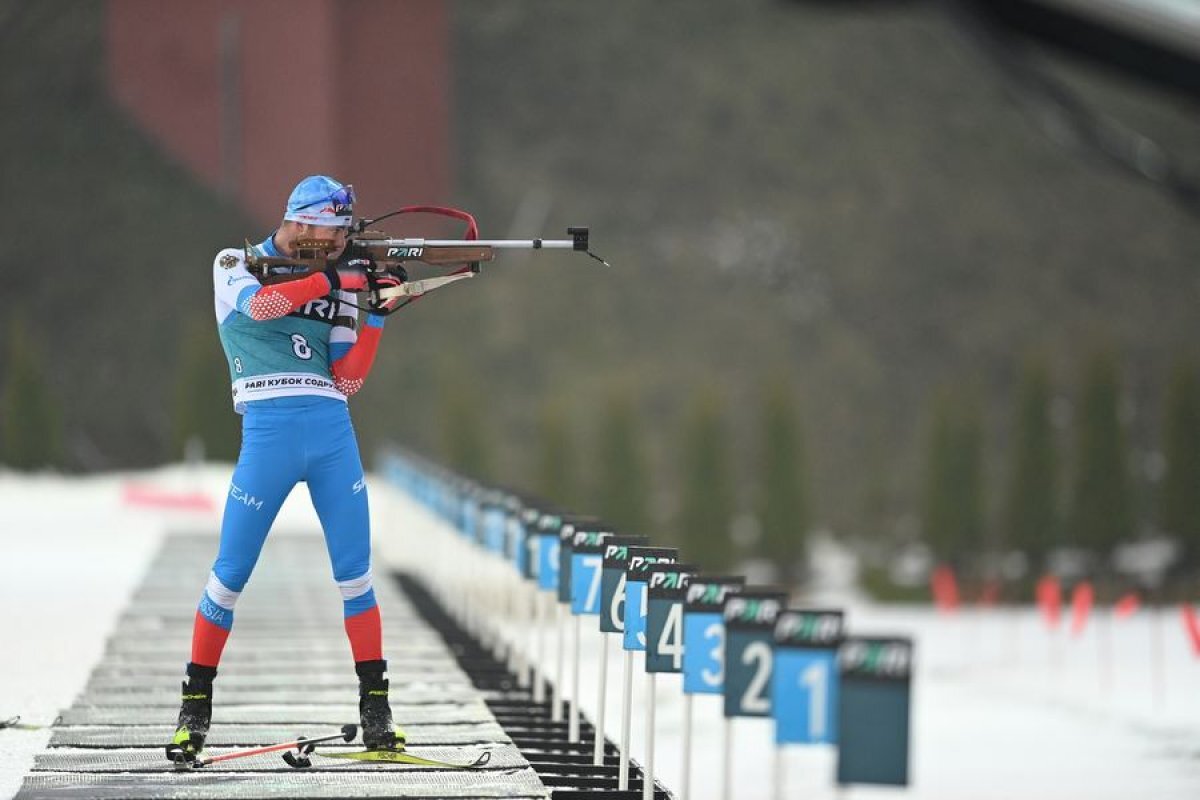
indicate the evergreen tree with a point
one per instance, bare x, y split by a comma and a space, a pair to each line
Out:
623, 488
952, 510
465, 444
203, 409
1030, 518
708, 492
1180, 499
556, 461
1101, 512
784, 510
32, 429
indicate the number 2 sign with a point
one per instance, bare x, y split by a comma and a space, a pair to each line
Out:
749, 618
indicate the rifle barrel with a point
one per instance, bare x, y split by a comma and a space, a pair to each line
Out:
509, 244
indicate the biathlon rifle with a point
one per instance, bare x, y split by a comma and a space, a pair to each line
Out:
388, 255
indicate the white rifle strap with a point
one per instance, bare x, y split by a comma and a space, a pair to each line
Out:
418, 288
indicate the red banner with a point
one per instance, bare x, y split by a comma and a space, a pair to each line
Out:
1049, 599
989, 596
147, 496
1081, 606
1191, 623
1127, 605
944, 587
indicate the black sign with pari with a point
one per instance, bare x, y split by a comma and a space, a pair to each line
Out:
871, 658
811, 629
612, 581
749, 618
874, 710
754, 608
566, 546
667, 588
706, 593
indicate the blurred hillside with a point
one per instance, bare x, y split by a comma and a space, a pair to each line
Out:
847, 194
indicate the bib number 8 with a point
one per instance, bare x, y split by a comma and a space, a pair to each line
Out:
300, 347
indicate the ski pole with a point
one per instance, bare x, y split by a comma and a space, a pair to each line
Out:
302, 744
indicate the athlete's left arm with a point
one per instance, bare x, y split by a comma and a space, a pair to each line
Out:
352, 356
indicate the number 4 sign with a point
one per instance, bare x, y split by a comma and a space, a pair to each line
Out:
666, 592
804, 688
641, 559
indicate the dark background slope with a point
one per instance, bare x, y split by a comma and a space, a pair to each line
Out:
850, 195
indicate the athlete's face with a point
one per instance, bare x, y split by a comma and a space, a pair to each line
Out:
292, 232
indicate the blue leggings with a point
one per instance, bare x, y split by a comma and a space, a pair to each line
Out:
284, 442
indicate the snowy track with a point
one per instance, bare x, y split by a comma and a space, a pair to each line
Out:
289, 672
1003, 709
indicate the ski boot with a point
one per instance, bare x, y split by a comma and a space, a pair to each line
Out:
375, 713
195, 715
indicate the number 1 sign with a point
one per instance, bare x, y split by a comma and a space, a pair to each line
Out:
804, 687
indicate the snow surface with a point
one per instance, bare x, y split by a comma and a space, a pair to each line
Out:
1002, 708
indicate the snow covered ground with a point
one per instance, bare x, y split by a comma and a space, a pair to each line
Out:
1002, 709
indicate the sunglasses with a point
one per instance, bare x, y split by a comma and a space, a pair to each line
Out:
342, 200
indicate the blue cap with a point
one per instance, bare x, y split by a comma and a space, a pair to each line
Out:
320, 200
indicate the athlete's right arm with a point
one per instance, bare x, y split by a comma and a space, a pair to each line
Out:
237, 289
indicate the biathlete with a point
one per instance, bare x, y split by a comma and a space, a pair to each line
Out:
295, 354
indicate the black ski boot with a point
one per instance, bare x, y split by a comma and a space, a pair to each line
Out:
195, 714
375, 713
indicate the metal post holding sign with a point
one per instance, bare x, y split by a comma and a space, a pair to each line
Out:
514, 544
583, 529
562, 597
749, 618
874, 710
571, 524
612, 615
666, 588
523, 534
804, 685
545, 553
587, 561
634, 639
703, 650
493, 519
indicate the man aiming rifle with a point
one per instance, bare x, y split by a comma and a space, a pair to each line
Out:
295, 354
288, 323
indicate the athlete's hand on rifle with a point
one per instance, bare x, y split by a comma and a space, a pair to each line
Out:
392, 278
350, 274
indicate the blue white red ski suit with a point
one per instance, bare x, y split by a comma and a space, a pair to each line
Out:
294, 356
